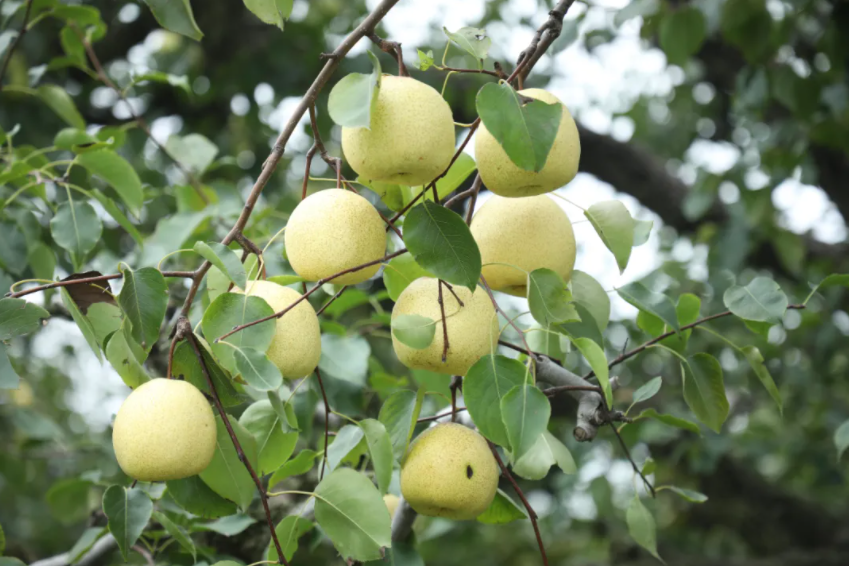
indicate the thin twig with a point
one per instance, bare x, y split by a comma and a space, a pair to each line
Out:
31, 290
15, 43
442, 415
445, 345
330, 302
456, 383
639, 472
510, 321
393, 48
474, 71
326, 422
451, 289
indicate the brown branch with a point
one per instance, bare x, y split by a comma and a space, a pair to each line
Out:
456, 383
11, 50
639, 472
326, 422
31, 290
523, 351
531, 513
445, 345
330, 302
281, 558
542, 40
393, 48
442, 415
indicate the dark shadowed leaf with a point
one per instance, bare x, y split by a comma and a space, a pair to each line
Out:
83, 323
177, 533
195, 497
87, 294
670, 420
118, 173
641, 526
300, 464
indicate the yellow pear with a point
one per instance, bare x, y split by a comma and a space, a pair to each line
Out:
527, 232
472, 328
164, 430
22, 396
411, 137
503, 177
449, 472
296, 346
334, 230
391, 501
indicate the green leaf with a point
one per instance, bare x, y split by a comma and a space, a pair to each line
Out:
8, 36
501, 511
347, 438
177, 533
525, 411
588, 293
9, 378
118, 173
178, 81
547, 451
400, 272
832, 280
195, 497
396, 414
548, 298
584, 328
472, 40
300, 464
615, 227
594, 354
144, 297
704, 390
756, 360
345, 357
424, 63
13, 252
286, 279
194, 152
459, 171
653, 303
19, 317
441, 243
226, 475
82, 322
90, 536
647, 390
636, 8
274, 444
688, 494
687, 311
68, 500
747, 25
128, 511
841, 439
352, 513
289, 530
761, 300
186, 366
118, 216
274, 12
76, 228
642, 231
485, 385
58, 100
380, 448
414, 330
229, 526
649, 466
681, 33
525, 131
176, 16
258, 370
233, 309
641, 526
352, 99
42, 260
670, 420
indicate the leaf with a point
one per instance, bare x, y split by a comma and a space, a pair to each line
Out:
9, 378
761, 300
118, 173
274, 12
176, 16
178, 81
8, 36
68, 500
414, 330
615, 227
225, 260
548, 298
194, 151
229, 526
195, 497
473, 40
353, 98
687, 311
681, 33
647, 390
258, 370
118, 216
274, 444
525, 411
649, 466
669, 420
832, 280
58, 100
441, 243
345, 357
547, 451
653, 303
841, 439
90, 536
396, 414
756, 360
87, 294
641, 526
226, 475
128, 511
594, 354
42, 261
177, 533
300, 464
642, 231
289, 530
525, 131
380, 448
501, 511
186, 366
400, 272
19, 317
584, 328
484, 386
13, 252
459, 171
689, 494
233, 309
144, 298
83, 323
424, 63
347, 438
76, 228
352, 513
704, 390
635, 9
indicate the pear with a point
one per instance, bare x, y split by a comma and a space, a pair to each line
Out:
527, 232
296, 346
472, 328
164, 430
334, 230
503, 177
449, 472
410, 140
392, 502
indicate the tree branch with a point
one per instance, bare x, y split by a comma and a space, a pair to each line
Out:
11, 50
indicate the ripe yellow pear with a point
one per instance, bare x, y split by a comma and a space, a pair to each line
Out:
22, 396
164, 430
472, 328
296, 346
391, 501
334, 230
411, 137
528, 232
449, 472
503, 177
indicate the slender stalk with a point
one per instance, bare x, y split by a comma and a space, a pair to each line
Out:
326, 423
99, 278
11, 50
